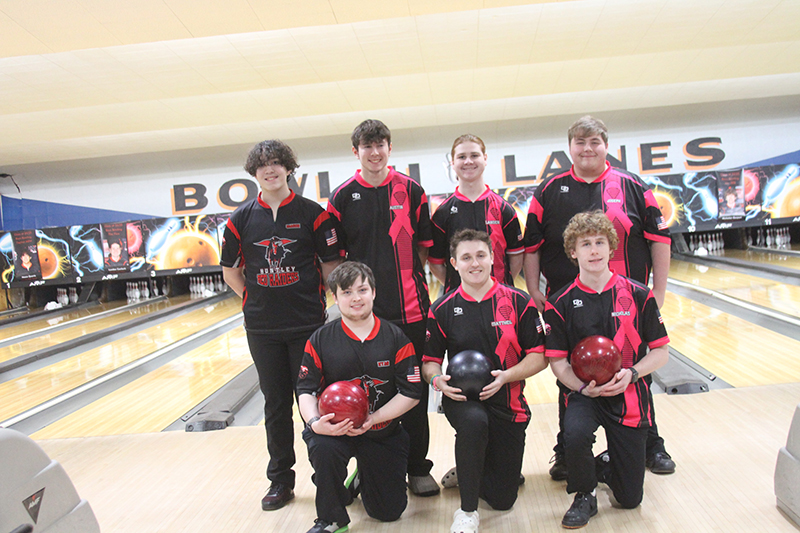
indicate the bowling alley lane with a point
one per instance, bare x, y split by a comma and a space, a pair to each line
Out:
152, 402
82, 328
739, 352
754, 289
30, 390
55, 319
769, 258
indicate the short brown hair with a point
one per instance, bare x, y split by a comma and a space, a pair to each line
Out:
345, 275
467, 138
370, 131
587, 224
586, 126
468, 234
265, 151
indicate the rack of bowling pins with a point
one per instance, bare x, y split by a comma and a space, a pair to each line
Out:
769, 237
140, 290
702, 243
207, 285
67, 296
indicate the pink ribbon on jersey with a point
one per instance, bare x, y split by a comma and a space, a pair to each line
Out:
402, 219
508, 348
612, 190
627, 336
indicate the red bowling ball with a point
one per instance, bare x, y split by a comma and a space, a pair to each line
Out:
596, 358
345, 400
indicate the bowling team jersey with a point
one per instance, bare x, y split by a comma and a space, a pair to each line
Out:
283, 282
489, 213
384, 364
626, 201
504, 326
382, 227
625, 312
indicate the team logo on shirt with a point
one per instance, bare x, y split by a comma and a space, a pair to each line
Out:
276, 275
577, 303
356, 196
457, 311
303, 372
564, 188
453, 209
372, 386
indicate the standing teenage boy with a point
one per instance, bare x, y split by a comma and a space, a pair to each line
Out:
385, 223
601, 302
276, 253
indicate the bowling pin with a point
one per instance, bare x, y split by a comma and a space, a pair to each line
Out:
692, 244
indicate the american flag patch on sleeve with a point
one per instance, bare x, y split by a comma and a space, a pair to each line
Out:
660, 319
662, 224
330, 237
413, 375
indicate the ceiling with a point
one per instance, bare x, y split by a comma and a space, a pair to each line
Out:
84, 79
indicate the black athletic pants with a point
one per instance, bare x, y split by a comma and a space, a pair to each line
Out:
277, 358
626, 450
488, 454
655, 443
415, 421
381, 465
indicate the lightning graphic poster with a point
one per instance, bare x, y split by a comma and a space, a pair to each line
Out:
54, 259
26, 255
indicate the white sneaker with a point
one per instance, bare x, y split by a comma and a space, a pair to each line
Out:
465, 522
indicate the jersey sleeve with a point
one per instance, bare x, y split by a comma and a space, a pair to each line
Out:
335, 207
231, 255
655, 228
654, 332
310, 379
512, 231
530, 331
556, 340
408, 376
326, 237
439, 252
435, 340
424, 231
534, 230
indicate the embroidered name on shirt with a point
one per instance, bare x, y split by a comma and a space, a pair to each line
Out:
395, 207
621, 313
501, 323
292, 226
383, 364
492, 221
613, 201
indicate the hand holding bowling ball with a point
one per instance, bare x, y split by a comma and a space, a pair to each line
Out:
345, 400
596, 358
469, 371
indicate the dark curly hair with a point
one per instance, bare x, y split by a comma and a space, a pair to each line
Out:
370, 131
266, 151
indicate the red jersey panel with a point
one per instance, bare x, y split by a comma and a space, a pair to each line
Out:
382, 227
489, 213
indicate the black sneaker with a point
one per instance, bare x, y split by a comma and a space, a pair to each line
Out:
559, 469
661, 463
582, 509
321, 526
353, 485
278, 495
602, 467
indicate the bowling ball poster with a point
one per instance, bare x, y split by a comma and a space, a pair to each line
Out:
6, 258
730, 187
136, 233
668, 192
86, 252
179, 243
115, 247
54, 258
26, 255
520, 200
700, 204
780, 190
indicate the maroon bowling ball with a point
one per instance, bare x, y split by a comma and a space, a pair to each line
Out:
345, 400
470, 371
596, 358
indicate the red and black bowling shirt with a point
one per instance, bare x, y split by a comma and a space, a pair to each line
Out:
504, 326
382, 227
626, 312
284, 289
626, 201
489, 213
384, 364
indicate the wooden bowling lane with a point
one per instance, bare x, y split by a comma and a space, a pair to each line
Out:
53, 319
57, 337
774, 259
740, 352
152, 402
23, 393
754, 289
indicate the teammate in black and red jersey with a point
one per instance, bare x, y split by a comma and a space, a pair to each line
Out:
385, 223
474, 205
591, 183
362, 348
502, 323
601, 302
277, 250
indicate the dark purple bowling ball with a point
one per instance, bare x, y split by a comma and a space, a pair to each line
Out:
470, 371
